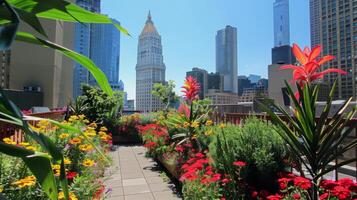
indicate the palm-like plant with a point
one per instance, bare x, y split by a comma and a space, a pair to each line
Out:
314, 142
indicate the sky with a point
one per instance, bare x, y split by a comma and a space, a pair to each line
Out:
188, 29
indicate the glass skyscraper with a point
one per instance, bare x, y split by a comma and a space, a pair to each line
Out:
105, 51
281, 23
226, 58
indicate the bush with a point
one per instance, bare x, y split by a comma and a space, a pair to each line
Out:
258, 145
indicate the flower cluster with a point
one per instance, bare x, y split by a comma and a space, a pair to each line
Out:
155, 136
25, 182
190, 88
344, 188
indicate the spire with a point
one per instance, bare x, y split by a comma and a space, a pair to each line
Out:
149, 25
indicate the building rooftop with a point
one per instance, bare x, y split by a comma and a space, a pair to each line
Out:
149, 26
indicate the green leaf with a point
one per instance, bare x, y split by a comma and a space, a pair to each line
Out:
81, 59
64, 11
40, 166
31, 20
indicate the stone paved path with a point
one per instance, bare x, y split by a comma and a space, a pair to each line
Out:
136, 177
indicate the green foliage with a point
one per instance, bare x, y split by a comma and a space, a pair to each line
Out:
257, 144
194, 190
166, 94
101, 108
315, 143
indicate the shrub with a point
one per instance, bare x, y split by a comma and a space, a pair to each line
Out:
257, 144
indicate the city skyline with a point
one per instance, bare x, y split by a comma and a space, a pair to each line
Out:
189, 28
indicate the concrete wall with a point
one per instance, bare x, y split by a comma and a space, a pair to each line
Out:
276, 82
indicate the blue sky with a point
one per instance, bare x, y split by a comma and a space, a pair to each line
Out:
188, 29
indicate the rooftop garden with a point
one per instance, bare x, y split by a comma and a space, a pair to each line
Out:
285, 158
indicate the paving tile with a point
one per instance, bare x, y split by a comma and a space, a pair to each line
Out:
113, 183
134, 181
159, 187
132, 175
167, 195
136, 189
144, 196
116, 198
116, 191
154, 179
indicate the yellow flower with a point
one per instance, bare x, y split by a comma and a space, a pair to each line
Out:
209, 132
86, 121
186, 124
1, 188
195, 124
73, 118
25, 182
222, 126
9, 141
85, 147
75, 140
90, 133
93, 124
31, 148
209, 122
88, 163
71, 196
101, 133
67, 161
194, 136
63, 136
24, 144
56, 167
103, 128
105, 138
81, 117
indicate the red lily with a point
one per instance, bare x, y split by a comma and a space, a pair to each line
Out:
191, 88
307, 72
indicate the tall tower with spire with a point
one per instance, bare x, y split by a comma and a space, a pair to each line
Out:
150, 68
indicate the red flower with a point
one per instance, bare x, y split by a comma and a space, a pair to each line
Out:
183, 109
254, 194
310, 64
179, 148
296, 196
71, 175
302, 183
225, 180
324, 196
283, 183
341, 192
274, 197
328, 184
239, 163
191, 88
345, 182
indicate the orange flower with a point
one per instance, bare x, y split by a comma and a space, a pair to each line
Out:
75, 141
310, 65
191, 88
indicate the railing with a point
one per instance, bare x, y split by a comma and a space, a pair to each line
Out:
348, 170
16, 133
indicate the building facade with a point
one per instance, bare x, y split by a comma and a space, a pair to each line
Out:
82, 45
105, 52
150, 68
215, 82
220, 98
281, 23
226, 57
334, 26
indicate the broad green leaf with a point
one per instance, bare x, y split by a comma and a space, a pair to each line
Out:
40, 166
31, 20
81, 59
64, 11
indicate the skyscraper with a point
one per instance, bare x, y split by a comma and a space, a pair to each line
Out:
105, 51
334, 26
281, 23
226, 57
150, 68
82, 44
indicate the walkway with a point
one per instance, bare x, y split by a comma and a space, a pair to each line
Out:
136, 177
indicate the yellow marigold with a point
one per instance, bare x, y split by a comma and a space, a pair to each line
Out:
222, 126
93, 124
8, 141
75, 140
195, 124
103, 128
209, 132
63, 136
25, 182
31, 148
88, 163
101, 133
73, 118
24, 144
85, 147
71, 196
90, 133
67, 161
186, 124
209, 122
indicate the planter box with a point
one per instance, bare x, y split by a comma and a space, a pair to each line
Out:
169, 161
